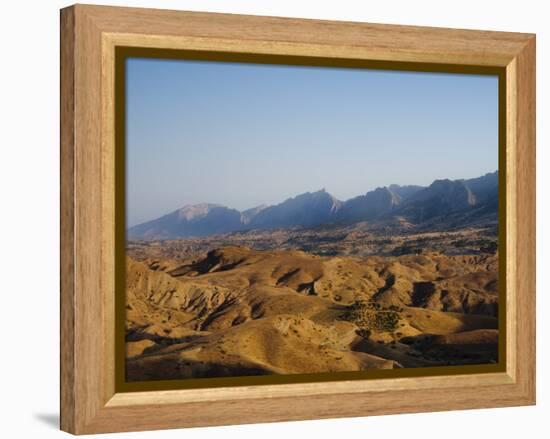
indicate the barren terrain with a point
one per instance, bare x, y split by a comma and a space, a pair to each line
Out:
304, 300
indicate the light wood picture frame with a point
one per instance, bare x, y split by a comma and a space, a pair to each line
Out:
92, 401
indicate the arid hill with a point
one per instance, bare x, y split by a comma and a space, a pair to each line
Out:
241, 311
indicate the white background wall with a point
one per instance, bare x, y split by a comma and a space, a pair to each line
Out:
29, 206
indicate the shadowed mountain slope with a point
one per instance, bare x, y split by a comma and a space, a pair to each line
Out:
374, 204
195, 220
309, 209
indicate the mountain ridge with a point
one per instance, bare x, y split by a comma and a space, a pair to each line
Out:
417, 204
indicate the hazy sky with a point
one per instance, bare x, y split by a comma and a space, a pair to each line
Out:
243, 134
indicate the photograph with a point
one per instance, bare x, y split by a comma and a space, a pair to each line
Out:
292, 219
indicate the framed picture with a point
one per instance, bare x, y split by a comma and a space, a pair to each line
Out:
269, 219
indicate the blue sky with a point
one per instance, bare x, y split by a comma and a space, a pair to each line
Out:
243, 134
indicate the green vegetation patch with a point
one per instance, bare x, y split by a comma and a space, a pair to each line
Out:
370, 316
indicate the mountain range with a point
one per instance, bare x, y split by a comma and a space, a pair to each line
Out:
442, 200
